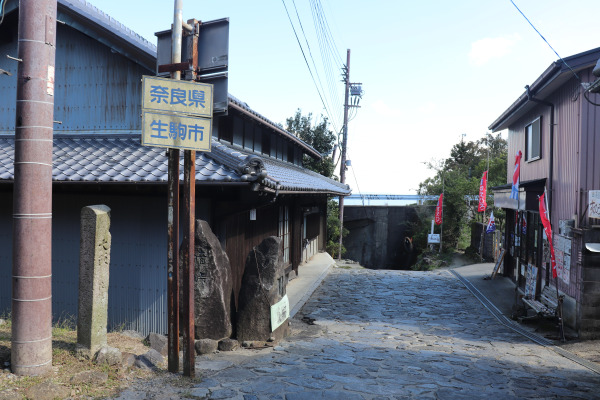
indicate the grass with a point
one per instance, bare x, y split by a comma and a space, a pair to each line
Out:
65, 363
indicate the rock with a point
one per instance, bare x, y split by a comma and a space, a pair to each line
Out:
158, 343
143, 364
213, 286
133, 334
2, 322
263, 285
47, 391
108, 355
89, 377
247, 343
228, 344
10, 395
151, 359
128, 360
206, 346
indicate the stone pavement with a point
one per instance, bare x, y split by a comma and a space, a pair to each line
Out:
376, 334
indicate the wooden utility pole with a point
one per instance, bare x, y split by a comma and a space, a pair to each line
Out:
31, 351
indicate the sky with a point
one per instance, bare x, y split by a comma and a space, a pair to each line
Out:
433, 72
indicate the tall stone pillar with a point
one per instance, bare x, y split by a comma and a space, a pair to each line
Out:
94, 262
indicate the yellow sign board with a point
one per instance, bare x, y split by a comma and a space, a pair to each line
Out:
176, 131
175, 96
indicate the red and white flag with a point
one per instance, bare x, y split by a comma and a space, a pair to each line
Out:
439, 210
548, 230
514, 193
483, 193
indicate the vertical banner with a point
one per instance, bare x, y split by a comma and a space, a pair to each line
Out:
514, 194
483, 193
491, 227
439, 210
548, 230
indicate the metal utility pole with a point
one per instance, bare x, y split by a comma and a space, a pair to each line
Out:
173, 212
31, 351
344, 143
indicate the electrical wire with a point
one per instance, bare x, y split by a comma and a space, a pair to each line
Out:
328, 54
310, 55
362, 198
558, 55
549, 45
306, 60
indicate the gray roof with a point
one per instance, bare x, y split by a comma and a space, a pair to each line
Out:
121, 159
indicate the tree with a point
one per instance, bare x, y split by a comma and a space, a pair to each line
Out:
322, 140
459, 176
317, 136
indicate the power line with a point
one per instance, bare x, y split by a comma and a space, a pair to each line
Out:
549, 45
306, 60
310, 54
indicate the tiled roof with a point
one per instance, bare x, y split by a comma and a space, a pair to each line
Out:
120, 158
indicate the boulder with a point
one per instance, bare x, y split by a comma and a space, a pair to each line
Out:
206, 346
228, 344
213, 285
108, 355
158, 342
263, 285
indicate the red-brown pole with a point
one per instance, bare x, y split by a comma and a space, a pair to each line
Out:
31, 352
189, 331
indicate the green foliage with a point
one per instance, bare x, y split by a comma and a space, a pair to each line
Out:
460, 175
430, 260
317, 136
333, 229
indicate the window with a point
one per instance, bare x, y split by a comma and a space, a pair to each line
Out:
284, 232
533, 140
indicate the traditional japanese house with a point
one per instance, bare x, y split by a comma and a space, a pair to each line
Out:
555, 124
254, 168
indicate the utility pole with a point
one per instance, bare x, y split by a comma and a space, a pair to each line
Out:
173, 305
351, 89
31, 351
344, 143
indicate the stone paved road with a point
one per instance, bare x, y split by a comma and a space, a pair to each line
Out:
390, 335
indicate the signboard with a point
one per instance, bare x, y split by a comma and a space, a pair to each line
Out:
594, 204
433, 238
280, 312
176, 96
213, 57
176, 131
530, 281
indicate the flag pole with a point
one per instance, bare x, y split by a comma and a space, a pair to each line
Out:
559, 299
485, 199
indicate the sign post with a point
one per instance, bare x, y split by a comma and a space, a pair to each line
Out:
178, 115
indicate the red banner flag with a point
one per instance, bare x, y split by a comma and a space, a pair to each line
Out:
483, 193
548, 230
514, 194
439, 210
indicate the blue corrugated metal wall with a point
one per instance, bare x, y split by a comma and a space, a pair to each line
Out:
137, 290
95, 89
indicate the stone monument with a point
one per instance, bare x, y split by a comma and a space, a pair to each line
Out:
213, 285
94, 263
263, 286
